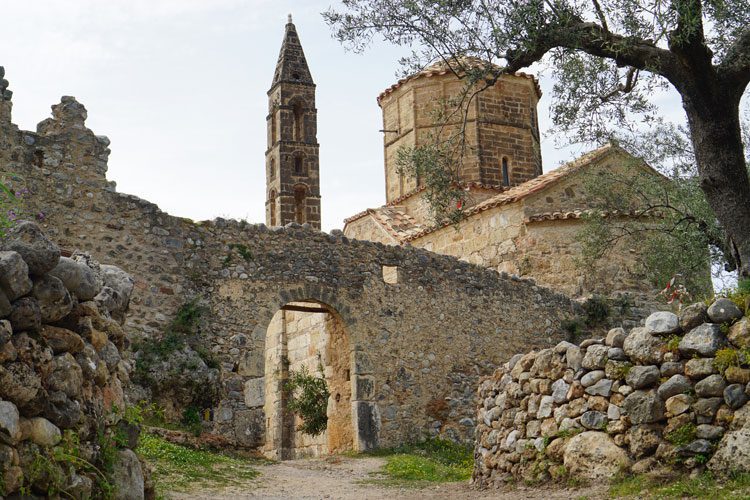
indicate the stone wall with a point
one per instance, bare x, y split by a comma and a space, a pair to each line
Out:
416, 346
61, 372
670, 395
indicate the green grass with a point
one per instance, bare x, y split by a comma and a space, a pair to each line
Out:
177, 467
420, 464
702, 486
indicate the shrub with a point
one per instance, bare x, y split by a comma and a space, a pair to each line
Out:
725, 358
308, 398
596, 309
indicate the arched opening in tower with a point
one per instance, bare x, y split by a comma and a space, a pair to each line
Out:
298, 123
272, 208
300, 197
310, 337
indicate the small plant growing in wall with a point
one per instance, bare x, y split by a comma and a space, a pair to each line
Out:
308, 398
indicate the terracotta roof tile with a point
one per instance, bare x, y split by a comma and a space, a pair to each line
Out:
442, 68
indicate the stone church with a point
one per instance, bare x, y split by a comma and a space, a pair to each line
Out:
518, 220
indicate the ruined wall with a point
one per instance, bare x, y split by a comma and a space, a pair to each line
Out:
416, 347
670, 395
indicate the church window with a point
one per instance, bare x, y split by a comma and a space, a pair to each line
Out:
273, 127
506, 174
272, 207
298, 123
299, 204
272, 169
299, 165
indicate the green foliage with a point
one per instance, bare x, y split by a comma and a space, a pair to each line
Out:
704, 485
177, 468
683, 435
8, 207
573, 329
433, 165
740, 294
432, 460
308, 398
673, 343
596, 310
730, 357
192, 420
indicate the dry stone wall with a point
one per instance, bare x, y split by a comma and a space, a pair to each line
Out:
62, 373
416, 346
669, 395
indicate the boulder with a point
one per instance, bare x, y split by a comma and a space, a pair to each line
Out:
703, 340
66, 376
617, 354
644, 407
672, 368
127, 476
737, 375
705, 409
733, 451
39, 253
644, 440
594, 420
547, 364
639, 377
739, 333
53, 298
41, 431
10, 429
18, 383
121, 283
678, 404
14, 275
710, 432
615, 337
78, 278
594, 455
26, 315
62, 411
693, 315
734, 396
698, 368
643, 347
62, 340
591, 378
723, 310
602, 388
662, 323
711, 386
559, 391
574, 357
595, 357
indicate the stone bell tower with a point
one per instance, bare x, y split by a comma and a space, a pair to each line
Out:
292, 160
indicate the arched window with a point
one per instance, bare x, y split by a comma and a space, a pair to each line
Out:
298, 123
300, 195
272, 169
273, 127
506, 174
299, 165
272, 207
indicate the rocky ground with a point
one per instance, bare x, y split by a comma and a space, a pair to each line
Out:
359, 478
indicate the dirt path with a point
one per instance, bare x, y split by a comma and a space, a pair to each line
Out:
346, 479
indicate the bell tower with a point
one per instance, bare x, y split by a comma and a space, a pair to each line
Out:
292, 159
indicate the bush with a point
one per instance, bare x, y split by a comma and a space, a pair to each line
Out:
597, 310
308, 398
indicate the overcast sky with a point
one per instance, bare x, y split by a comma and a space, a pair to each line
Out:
179, 86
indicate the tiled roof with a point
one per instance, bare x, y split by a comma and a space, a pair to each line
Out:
530, 187
578, 214
396, 223
442, 68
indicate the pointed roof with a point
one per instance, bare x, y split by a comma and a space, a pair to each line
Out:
292, 65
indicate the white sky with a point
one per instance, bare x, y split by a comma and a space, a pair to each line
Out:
179, 86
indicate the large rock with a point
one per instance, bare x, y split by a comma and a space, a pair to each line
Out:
739, 333
595, 358
703, 340
39, 253
644, 407
66, 376
127, 476
78, 278
615, 337
594, 455
711, 386
643, 347
41, 431
724, 311
62, 411
53, 298
639, 377
118, 287
676, 384
662, 323
698, 368
18, 383
733, 451
594, 420
693, 315
10, 429
734, 396
26, 315
62, 340
14, 275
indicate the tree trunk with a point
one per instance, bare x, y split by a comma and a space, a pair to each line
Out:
715, 130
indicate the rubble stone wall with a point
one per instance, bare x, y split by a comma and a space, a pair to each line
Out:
670, 395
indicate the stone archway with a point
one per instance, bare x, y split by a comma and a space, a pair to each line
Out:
310, 335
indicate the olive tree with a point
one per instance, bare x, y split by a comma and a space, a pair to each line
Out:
608, 58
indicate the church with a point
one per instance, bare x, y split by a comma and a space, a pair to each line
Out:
516, 219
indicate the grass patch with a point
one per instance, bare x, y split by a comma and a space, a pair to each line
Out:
702, 486
420, 464
177, 467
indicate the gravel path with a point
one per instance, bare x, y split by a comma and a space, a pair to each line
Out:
343, 478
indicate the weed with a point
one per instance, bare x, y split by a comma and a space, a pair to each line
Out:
673, 343
308, 398
682, 435
725, 358
191, 419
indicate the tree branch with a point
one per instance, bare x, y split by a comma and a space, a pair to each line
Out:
735, 68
